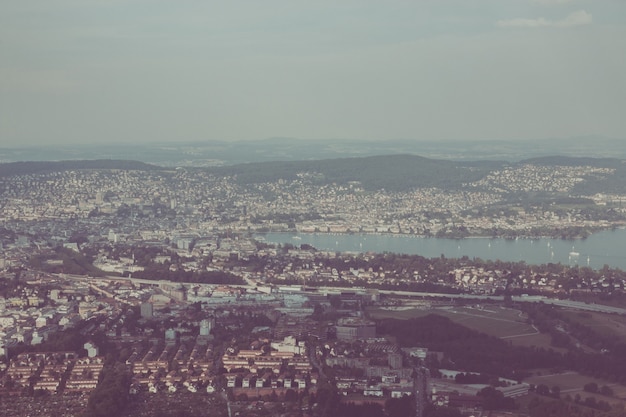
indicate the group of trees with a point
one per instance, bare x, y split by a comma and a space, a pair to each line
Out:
609, 364
593, 388
546, 391
418, 273
70, 262
542, 407
111, 396
159, 271
589, 402
331, 406
492, 399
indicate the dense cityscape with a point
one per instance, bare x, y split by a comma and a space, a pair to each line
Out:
158, 203
313, 209
154, 293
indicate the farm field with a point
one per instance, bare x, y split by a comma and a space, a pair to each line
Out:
604, 324
496, 321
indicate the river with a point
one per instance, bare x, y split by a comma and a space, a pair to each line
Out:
599, 249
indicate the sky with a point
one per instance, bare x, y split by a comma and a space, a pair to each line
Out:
132, 71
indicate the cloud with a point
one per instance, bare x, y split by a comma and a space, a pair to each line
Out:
578, 18
551, 2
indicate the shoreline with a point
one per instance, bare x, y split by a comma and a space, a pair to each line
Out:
296, 234
604, 247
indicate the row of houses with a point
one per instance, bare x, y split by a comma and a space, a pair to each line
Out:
297, 380
58, 372
156, 372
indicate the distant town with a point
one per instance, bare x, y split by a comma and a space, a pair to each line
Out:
148, 292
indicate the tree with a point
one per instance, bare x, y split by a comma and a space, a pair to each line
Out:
607, 391
291, 396
335, 301
360, 410
591, 387
400, 407
590, 402
111, 395
542, 389
273, 396
433, 411
492, 399
318, 311
328, 401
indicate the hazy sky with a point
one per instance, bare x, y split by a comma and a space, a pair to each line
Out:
96, 71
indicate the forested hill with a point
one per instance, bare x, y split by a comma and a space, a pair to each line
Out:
391, 172
35, 167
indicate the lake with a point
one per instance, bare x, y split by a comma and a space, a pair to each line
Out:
606, 247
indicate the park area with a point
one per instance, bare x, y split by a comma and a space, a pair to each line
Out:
510, 325
572, 384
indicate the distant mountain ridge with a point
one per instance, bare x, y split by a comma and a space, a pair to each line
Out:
34, 167
209, 153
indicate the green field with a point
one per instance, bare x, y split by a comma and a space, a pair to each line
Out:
505, 323
572, 383
611, 325
539, 340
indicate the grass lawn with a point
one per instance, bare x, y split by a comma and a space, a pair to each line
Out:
604, 324
493, 320
540, 340
572, 383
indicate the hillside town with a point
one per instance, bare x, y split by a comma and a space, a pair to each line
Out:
163, 205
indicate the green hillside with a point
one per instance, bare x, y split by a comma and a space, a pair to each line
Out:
391, 172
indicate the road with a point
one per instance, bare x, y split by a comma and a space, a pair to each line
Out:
420, 388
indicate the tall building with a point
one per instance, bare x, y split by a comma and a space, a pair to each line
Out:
353, 328
394, 360
92, 349
146, 310
179, 293
170, 336
205, 327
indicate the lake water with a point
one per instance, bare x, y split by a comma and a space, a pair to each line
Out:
607, 247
